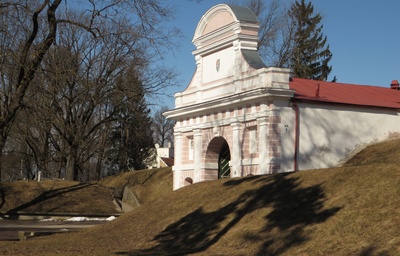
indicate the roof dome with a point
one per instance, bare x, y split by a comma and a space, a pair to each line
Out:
221, 15
224, 26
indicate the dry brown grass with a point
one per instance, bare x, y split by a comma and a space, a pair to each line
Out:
146, 184
352, 210
55, 197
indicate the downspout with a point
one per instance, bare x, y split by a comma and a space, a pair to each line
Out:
296, 134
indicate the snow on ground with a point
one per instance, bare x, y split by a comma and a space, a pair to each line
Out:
78, 219
91, 219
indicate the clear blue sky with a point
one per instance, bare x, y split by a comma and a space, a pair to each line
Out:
363, 35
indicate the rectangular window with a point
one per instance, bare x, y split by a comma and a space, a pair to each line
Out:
191, 148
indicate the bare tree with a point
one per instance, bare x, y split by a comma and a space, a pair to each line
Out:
86, 91
163, 128
276, 30
29, 30
24, 52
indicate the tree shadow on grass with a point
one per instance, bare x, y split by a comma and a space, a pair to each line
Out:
373, 250
292, 208
44, 196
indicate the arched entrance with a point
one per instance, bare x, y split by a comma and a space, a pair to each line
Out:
217, 159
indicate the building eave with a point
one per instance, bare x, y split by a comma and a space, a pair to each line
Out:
229, 102
332, 103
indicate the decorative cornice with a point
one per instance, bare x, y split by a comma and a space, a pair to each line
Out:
236, 120
226, 36
228, 102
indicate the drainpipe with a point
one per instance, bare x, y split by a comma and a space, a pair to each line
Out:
296, 134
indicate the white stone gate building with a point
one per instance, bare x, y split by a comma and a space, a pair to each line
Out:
238, 117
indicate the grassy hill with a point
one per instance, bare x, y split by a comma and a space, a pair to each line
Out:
351, 210
55, 197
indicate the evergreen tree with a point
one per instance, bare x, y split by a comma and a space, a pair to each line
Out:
310, 56
131, 137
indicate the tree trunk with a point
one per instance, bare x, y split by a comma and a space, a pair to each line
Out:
2, 145
71, 168
99, 165
1, 161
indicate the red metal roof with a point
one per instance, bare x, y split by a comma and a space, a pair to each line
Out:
329, 92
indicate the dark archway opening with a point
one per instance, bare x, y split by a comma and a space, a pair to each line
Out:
224, 170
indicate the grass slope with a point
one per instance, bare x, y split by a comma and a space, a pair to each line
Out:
66, 197
351, 210
55, 197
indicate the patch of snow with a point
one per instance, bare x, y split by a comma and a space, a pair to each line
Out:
91, 219
78, 219
111, 218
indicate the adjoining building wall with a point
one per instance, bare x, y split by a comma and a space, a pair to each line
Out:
329, 133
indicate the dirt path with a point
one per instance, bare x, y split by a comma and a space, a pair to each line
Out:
9, 228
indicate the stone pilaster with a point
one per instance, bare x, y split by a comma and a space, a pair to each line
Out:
236, 158
197, 137
177, 161
263, 145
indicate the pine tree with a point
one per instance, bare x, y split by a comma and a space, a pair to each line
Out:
131, 142
310, 57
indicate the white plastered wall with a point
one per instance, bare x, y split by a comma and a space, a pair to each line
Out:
328, 134
288, 130
226, 59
